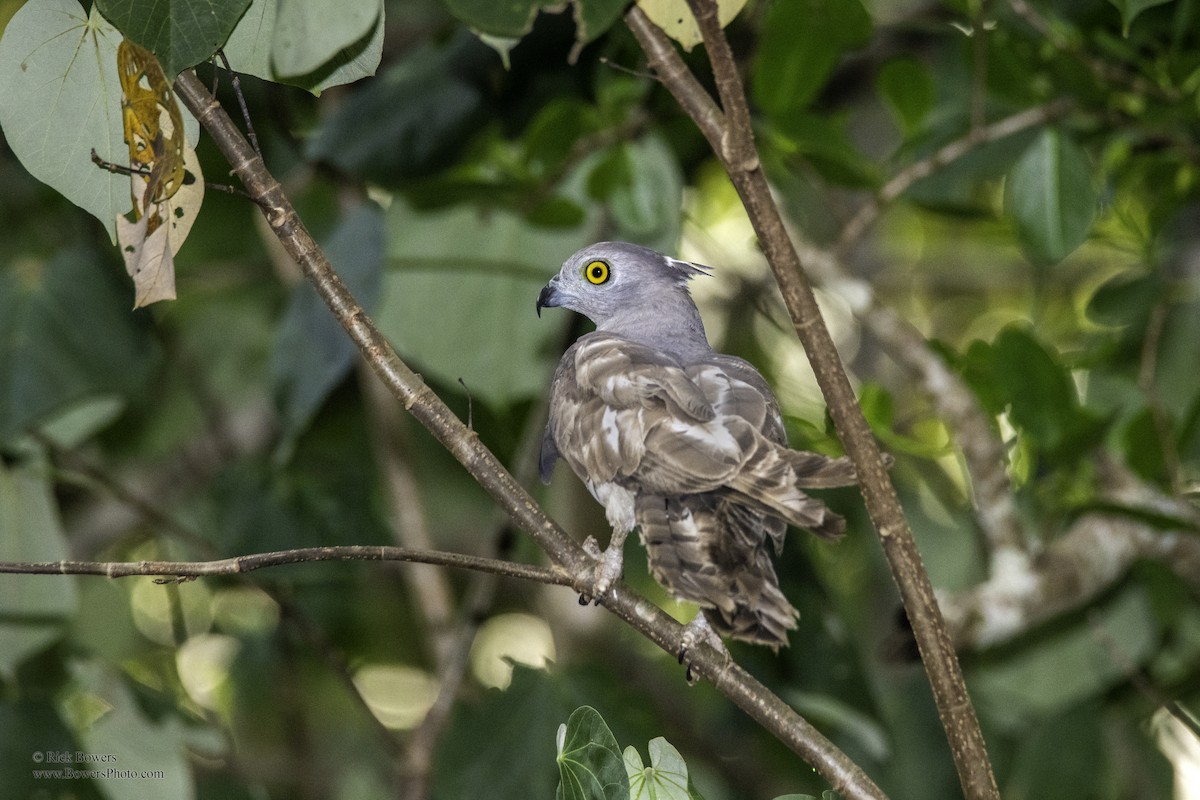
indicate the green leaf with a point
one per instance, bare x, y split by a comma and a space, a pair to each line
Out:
35, 608
60, 98
1130, 9
510, 18
1142, 443
594, 17
828, 711
643, 186
1062, 667
498, 746
825, 143
253, 41
1125, 299
312, 352
1042, 395
409, 123
1048, 195
590, 765
65, 335
32, 725
801, 43
136, 742
182, 33
309, 34
907, 90
665, 779
458, 301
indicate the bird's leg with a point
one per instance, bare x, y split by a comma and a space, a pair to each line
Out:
697, 631
610, 561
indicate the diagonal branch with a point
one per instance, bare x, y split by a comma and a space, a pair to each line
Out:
929, 628
900, 183
571, 562
982, 449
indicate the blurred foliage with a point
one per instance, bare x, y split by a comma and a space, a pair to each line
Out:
1056, 269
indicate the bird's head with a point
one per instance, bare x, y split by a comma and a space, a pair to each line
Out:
614, 280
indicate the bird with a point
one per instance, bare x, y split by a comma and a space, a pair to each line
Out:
682, 443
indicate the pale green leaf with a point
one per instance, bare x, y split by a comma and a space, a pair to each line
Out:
665, 779
252, 43
36, 608
676, 19
60, 99
308, 34
590, 766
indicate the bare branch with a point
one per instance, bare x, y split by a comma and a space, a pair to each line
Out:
239, 565
1090, 556
941, 664
900, 183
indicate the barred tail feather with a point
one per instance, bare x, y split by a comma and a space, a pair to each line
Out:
700, 548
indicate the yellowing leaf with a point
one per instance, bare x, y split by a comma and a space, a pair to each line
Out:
153, 125
676, 20
166, 185
149, 244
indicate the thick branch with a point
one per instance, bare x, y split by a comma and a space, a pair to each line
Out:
1090, 556
933, 640
752, 697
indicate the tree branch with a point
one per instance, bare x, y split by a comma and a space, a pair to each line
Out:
983, 452
900, 183
933, 640
238, 565
572, 563
1089, 557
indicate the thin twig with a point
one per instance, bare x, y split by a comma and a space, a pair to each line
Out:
241, 98
120, 169
239, 565
900, 183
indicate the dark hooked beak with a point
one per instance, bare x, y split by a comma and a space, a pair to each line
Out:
547, 297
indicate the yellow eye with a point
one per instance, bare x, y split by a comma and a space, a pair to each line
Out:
596, 272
